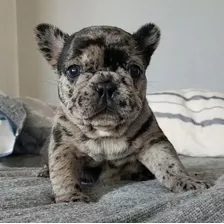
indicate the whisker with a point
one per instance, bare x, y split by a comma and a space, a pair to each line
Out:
53, 84
149, 84
153, 81
54, 80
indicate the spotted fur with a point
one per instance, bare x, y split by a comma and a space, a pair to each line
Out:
105, 129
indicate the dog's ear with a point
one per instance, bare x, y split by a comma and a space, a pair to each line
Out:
148, 37
50, 41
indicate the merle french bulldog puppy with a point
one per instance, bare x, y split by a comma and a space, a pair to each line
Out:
105, 126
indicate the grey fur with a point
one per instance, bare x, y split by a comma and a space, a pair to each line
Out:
105, 123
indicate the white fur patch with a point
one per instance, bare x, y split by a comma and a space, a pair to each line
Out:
108, 148
102, 133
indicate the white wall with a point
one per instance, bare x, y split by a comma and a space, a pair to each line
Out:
9, 82
191, 53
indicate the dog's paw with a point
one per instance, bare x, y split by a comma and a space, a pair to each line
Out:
67, 198
188, 183
44, 172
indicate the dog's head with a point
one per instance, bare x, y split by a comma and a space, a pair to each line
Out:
101, 72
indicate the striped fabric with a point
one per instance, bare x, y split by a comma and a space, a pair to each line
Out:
192, 119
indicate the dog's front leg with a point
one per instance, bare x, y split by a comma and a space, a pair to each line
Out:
64, 170
160, 157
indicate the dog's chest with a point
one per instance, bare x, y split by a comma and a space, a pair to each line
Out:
107, 148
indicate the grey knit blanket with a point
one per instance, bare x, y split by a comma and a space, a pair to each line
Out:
26, 198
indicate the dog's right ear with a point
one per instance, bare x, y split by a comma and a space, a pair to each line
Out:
50, 41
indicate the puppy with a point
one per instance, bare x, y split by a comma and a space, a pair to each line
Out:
105, 127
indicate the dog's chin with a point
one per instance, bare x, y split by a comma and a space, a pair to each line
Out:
106, 120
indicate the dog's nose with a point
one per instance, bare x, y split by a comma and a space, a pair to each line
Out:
106, 89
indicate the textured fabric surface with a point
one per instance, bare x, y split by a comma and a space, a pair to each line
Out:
26, 198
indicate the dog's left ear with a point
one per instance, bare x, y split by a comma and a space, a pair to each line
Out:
148, 37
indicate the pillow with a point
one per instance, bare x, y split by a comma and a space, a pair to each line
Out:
36, 127
12, 118
193, 120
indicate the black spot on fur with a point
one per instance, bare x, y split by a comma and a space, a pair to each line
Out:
42, 28
67, 132
122, 103
70, 93
45, 50
84, 138
83, 43
80, 101
48, 56
63, 118
123, 81
145, 126
57, 134
158, 140
113, 58
185, 187
38, 37
181, 184
58, 33
46, 42
74, 100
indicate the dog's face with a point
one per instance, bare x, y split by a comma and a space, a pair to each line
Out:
101, 71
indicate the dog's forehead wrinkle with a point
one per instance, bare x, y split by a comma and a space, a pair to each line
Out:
96, 58
97, 47
99, 35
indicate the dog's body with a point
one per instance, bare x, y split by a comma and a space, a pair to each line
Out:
105, 127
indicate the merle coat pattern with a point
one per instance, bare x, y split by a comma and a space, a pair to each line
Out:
105, 129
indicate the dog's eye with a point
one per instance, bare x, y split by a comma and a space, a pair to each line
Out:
135, 71
73, 71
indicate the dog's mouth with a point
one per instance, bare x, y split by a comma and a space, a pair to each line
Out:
106, 111
107, 118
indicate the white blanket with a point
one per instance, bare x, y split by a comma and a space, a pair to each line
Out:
193, 120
